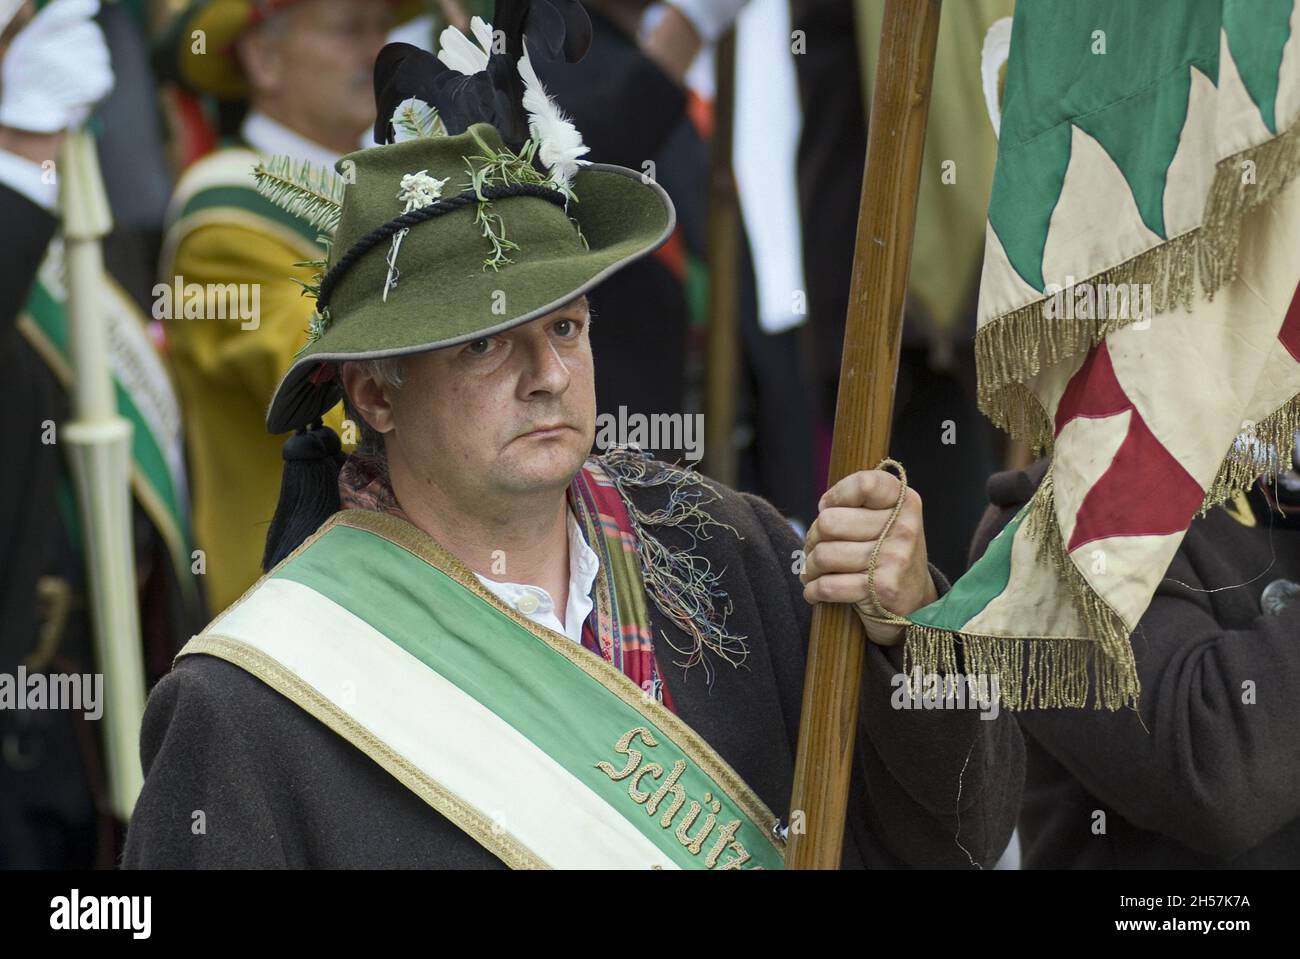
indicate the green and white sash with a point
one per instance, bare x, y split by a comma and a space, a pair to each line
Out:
145, 397
545, 754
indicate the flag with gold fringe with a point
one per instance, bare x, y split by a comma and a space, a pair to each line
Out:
1138, 322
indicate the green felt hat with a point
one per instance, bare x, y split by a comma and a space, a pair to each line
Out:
452, 282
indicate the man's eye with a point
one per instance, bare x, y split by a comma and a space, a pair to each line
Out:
566, 328
479, 347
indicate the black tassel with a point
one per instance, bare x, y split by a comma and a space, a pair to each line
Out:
309, 490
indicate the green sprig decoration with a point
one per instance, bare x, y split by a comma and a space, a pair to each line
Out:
316, 325
504, 167
319, 320
417, 120
302, 189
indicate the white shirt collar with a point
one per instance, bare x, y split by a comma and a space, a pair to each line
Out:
272, 137
536, 604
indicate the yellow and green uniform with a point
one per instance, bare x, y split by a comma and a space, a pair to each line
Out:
221, 231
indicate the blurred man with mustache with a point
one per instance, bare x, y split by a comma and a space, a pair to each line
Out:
303, 68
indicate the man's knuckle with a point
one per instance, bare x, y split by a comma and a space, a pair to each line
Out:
893, 553
866, 482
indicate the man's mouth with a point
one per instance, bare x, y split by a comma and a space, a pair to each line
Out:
552, 429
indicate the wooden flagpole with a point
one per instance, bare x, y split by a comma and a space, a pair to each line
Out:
722, 342
864, 408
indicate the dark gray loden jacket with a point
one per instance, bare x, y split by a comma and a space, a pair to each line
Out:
278, 789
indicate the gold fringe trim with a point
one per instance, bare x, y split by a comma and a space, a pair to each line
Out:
1031, 673
1024, 417
1042, 673
1116, 680
1276, 161
1018, 345
1241, 467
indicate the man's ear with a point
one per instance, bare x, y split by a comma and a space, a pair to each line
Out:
259, 55
369, 397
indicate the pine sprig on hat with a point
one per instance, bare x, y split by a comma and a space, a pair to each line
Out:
311, 193
319, 320
318, 267
488, 77
315, 195
415, 120
316, 325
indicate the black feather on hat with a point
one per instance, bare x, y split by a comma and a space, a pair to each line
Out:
461, 90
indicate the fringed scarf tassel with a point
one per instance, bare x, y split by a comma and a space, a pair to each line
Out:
682, 583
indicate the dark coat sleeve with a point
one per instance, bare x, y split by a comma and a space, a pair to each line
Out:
27, 232
203, 804
1194, 762
932, 787
30, 525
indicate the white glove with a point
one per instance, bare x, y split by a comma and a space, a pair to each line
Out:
710, 18
56, 69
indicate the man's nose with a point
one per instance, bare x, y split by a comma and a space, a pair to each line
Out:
545, 370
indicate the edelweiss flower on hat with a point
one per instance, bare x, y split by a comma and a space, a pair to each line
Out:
478, 211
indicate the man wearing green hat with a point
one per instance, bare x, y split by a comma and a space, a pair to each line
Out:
479, 645
303, 69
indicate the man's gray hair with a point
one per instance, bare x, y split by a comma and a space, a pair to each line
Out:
387, 371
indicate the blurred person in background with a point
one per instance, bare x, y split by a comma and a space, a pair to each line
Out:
303, 69
53, 805
937, 432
